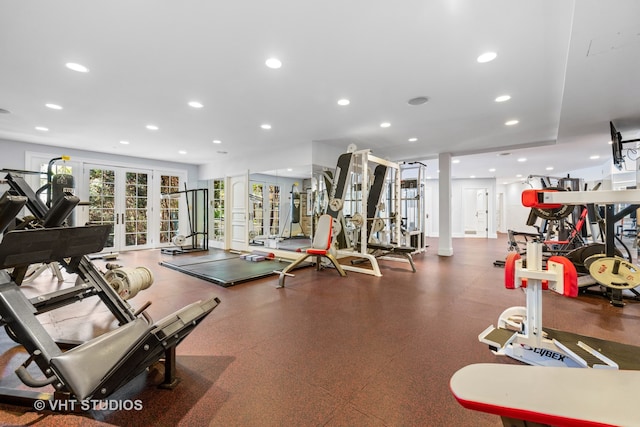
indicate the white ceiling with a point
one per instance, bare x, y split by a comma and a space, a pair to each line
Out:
570, 67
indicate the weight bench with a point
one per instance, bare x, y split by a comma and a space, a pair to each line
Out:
380, 250
320, 248
96, 368
544, 396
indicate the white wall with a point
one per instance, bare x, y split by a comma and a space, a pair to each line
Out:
515, 215
458, 187
265, 160
325, 155
14, 157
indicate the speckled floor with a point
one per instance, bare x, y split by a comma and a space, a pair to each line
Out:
324, 351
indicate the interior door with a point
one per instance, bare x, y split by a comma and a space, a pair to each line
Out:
428, 203
120, 197
482, 215
238, 233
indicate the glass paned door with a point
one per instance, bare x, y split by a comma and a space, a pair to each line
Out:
136, 212
102, 208
169, 208
120, 197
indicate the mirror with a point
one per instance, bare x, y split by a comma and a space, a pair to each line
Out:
281, 209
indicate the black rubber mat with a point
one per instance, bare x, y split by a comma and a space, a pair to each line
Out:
211, 255
626, 356
229, 271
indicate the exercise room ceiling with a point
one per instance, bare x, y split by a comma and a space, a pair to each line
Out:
568, 67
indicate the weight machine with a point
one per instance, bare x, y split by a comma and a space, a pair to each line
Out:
58, 184
618, 274
96, 368
355, 204
198, 226
540, 393
413, 208
519, 333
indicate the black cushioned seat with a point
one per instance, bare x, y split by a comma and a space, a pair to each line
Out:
84, 367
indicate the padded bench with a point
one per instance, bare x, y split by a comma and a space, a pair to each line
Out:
98, 367
380, 250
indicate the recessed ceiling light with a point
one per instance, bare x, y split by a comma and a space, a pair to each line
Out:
522, 159
594, 157
412, 139
472, 176
344, 102
492, 170
152, 127
53, 106
289, 170
549, 168
274, 63
503, 98
124, 142
518, 176
511, 122
487, 56
195, 104
428, 176
77, 67
3, 111
610, 142
42, 128
385, 124
418, 100
455, 161
265, 126
182, 152
217, 141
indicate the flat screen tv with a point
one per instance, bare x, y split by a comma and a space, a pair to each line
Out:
616, 146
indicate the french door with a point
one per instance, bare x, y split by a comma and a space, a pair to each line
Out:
121, 198
238, 236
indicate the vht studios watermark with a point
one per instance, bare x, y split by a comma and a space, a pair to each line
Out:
88, 405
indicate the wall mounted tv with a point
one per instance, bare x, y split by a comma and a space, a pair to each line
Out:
616, 146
